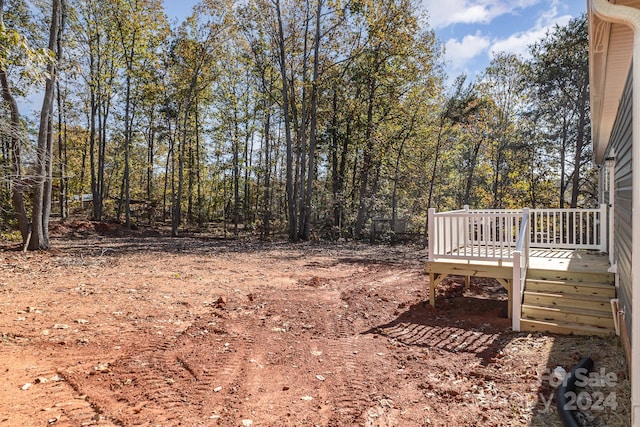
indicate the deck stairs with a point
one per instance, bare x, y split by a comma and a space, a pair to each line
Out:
568, 302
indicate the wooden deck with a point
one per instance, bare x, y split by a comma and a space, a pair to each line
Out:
573, 261
550, 261
567, 260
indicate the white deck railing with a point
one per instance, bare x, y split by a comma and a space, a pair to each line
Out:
492, 235
508, 235
520, 266
569, 228
474, 234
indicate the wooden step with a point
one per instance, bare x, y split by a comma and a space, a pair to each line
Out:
568, 302
571, 276
566, 328
564, 286
569, 315
559, 299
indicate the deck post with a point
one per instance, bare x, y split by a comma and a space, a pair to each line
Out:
432, 289
516, 292
431, 213
604, 225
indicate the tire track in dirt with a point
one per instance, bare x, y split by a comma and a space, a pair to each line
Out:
68, 410
269, 374
346, 386
216, 356
357, 391
203, 367
348, 389
149, 384
40, 384
135, 387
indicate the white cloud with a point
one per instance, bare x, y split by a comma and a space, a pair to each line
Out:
474, 37
519, 43
450, 12
460, 52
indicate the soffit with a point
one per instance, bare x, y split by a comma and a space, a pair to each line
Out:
610, 54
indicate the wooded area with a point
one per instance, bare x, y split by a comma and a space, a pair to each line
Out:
304, 118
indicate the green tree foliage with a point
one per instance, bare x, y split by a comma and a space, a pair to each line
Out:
298, 118
558, 76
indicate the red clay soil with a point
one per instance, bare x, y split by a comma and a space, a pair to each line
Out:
115, 328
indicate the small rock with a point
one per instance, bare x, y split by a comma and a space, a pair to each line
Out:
40, 380
82, 321
217, 389
101, 367
27, 386
247, 423
388, 403
306, 398
60, 326
316, 352
320, 377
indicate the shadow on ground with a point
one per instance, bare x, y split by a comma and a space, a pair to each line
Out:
464, 320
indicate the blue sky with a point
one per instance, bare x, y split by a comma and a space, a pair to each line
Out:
179, 9
472, 30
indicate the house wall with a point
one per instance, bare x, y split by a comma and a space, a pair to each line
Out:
620, 143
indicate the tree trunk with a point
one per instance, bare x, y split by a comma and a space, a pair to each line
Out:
301, 134
202, 218
62, 161
168, 166
176, 211
291, 203
367, 159
151, 136
17, 185
306, 229
92, 149
472, 168
236, 170
335, 178
582, 111
44, 154
266, 213
563, 166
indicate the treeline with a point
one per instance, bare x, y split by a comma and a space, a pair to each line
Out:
297, 117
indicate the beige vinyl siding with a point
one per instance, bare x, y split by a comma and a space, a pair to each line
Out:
621, 143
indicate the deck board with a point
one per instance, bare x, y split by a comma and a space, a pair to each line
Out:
570, 261
543, 259
566, 260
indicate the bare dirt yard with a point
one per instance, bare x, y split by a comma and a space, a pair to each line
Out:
139, 329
